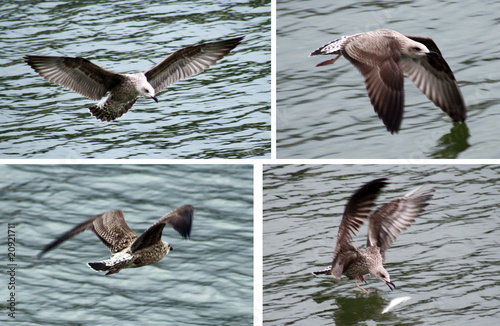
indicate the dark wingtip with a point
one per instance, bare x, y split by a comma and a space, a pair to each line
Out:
392, 127
433, 54
377, 184
234, 41
47, 248
393, 131
184, 229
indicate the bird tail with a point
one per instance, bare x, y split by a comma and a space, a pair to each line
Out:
333, 47
326, 271
98, 111
113, 265
100, 266
110, 110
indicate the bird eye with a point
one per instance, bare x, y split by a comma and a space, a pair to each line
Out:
416, 49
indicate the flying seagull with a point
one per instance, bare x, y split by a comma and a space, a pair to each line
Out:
386, 223
90, 80
383, 57
129, 250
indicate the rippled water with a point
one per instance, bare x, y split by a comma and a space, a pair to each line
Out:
221, 113
447, 261
324, 112
206, 280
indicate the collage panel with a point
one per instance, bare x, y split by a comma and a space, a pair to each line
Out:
206, 279
439, 235
341, 91
212, 163
136, 80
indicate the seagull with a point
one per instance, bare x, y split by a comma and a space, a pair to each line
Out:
383, 57
386, 223
129, 250
90, 80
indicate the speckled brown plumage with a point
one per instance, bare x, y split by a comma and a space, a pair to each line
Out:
128, 249
84, 77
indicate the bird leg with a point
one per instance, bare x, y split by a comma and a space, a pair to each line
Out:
328, 62
113, 271
359, 287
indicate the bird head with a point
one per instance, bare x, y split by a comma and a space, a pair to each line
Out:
148, 91
167, 246
384, 276
417, 50
377, 269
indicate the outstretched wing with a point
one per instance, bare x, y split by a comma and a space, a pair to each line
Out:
180, 219
434, 78
383, 74
77, 74
187, 62
356, 212
109, 227
387, 222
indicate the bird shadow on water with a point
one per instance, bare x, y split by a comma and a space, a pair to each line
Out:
453, 143
354, 310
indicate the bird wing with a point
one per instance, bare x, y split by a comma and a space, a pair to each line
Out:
387, 222
343, 259
180, 219
187, 62
356, 212
77, 74
434, 78
383, 76
109, 227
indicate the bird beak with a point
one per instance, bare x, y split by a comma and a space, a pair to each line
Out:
389, 285
154, 98
433, 54
171, 248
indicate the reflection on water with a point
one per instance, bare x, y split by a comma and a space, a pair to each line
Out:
453, 143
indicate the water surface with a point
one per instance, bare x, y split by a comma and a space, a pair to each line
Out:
447, 261
206, 280
325, 112
221, 113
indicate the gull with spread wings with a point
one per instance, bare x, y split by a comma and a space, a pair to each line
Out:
386, 223
128, 249
383, 57
86, 78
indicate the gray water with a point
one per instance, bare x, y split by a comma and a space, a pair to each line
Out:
206, 280
221, 113
325, 112
447, 261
